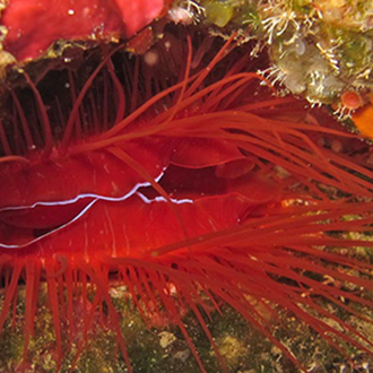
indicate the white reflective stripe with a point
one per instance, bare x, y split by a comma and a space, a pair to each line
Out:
162, 199
82, 196
95, 197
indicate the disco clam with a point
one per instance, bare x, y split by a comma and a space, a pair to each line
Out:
182, 176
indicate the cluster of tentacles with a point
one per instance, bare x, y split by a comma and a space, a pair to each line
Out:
192, 184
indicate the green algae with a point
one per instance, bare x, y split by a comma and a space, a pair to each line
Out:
163, 348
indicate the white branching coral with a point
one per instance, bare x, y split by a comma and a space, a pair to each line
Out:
186, 12
319, 49
277, 18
